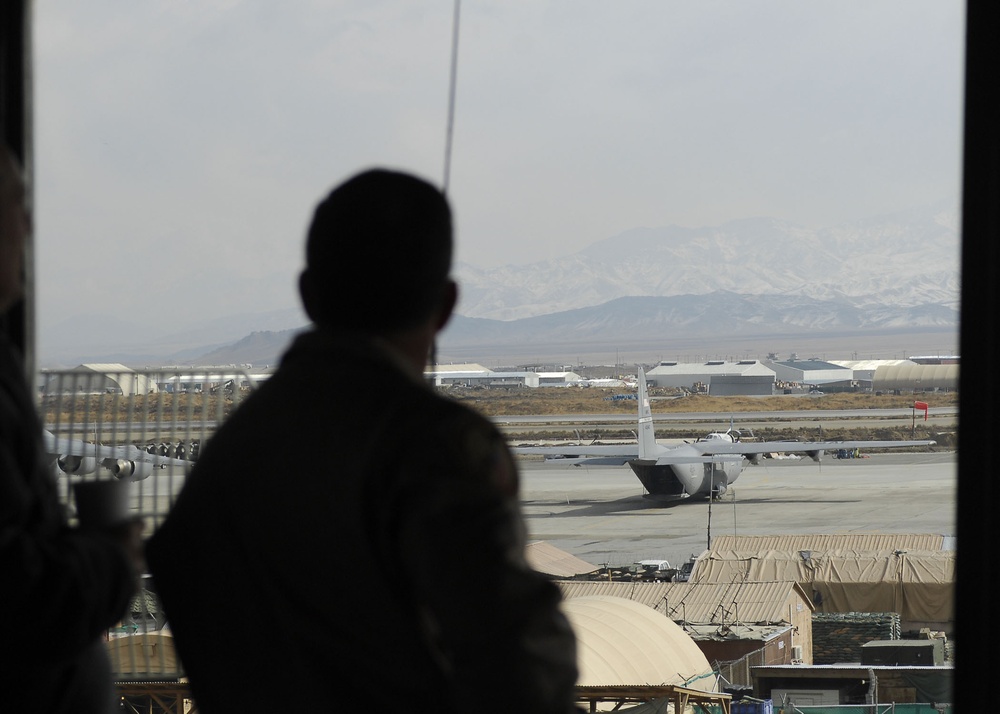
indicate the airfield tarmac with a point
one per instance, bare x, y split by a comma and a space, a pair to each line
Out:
599, 514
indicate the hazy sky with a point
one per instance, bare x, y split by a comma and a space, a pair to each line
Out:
181, 146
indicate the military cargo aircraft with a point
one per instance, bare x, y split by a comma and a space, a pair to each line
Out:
699, 469
125, 463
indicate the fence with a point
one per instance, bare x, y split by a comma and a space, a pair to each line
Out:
144, 427
737, 672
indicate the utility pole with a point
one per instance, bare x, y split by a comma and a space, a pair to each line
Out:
711, 497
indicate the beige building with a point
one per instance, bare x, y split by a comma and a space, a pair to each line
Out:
909, 574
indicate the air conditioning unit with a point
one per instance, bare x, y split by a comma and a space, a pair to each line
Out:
796, 653
903, 653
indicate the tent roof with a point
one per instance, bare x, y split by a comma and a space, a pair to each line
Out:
837, 541
621, 642
546, 558
918, 584
701, 603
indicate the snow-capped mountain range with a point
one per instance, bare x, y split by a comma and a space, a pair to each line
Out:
657, 287
903, 260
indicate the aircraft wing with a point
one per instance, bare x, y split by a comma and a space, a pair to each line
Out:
810, 447
671, 459
618, 455
591, 455
72, 456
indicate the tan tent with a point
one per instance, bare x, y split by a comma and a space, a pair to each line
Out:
910, 376
621, 642
546, 558
918, 584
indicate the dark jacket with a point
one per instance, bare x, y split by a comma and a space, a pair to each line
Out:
59, 589
350, 535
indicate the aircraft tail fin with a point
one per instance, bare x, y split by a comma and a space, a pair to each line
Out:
648, 447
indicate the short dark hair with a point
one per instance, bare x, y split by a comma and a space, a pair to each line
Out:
378, 253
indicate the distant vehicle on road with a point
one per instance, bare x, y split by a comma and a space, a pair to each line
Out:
655, 570
684, 572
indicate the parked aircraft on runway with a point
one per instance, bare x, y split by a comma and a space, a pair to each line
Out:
700, 468
126, 463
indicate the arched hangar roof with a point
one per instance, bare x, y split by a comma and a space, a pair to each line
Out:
621, 642
910, 375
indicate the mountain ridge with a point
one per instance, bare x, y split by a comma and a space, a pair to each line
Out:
652, 325
908, 258
739, 281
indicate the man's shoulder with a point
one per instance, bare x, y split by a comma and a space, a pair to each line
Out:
466, 437
456, 413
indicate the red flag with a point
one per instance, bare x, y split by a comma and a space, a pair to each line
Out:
922, 405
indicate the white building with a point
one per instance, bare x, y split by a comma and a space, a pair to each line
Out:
558, 379
104, 378
864, 369
474, 375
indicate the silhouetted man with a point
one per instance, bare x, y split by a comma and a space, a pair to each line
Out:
349, 535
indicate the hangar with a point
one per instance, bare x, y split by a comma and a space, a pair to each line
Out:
918, 374
717, 377
910, 376
100, 379
466, 375
475, 375
559, 379
813, 372
863, 370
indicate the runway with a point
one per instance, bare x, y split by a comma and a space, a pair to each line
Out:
598, 513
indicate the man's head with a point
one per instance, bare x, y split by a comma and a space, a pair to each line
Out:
378, 254
14, 227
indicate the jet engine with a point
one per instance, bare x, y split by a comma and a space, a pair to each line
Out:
123, 469
77, 464
816, 456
